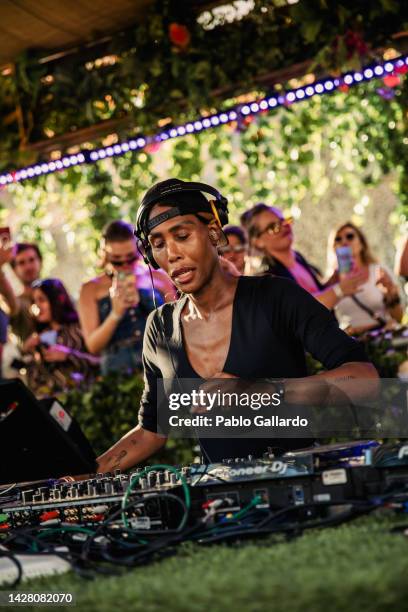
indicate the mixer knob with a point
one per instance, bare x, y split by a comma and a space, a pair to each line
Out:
151, 479
27, 496
173, 478
160, 478
91, 489
117, 472
143, 483
108, 488
250, 457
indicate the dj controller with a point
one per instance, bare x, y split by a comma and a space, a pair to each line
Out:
319, 480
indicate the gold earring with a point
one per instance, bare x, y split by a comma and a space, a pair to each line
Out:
213, 236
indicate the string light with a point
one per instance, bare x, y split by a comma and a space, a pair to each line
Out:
321, 87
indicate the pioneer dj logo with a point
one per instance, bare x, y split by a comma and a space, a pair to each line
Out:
276, 467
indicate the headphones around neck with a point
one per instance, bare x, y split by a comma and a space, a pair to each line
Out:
218, 207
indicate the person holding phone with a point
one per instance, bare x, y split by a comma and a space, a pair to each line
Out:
57, 349
377, 302
271, 234
114, 306
25, 259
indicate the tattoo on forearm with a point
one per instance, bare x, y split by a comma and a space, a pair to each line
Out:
343, 378
134, 441
116, 460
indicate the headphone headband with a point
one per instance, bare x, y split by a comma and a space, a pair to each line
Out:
164, 189
180, 187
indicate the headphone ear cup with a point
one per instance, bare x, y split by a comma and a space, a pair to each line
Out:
149, 259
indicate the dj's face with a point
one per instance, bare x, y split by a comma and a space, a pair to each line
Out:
182, 248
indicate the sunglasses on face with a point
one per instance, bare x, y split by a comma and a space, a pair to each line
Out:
239, 248
275, 227
349, 236
125, 262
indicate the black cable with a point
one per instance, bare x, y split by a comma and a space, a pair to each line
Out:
13, 559
141, 532
292, 528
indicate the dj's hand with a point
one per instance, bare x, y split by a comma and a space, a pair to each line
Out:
222, 382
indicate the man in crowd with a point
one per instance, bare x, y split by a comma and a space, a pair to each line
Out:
226, 326
26, 260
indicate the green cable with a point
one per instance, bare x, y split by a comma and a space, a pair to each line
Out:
46, 532
152, 468
242, 512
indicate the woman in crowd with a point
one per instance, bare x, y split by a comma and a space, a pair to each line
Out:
113, 307
271, 235
59, 360
236, 249
377, 302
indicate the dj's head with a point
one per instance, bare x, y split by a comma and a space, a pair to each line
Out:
180, 230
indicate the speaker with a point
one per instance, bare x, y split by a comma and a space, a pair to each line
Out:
39, 438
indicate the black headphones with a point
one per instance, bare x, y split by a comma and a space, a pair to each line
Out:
164, 189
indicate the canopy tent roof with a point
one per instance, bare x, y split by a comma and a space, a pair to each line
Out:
46, 24
56, 26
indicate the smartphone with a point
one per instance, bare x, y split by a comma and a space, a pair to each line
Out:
49, 338
344, 259
5, 237
128, 281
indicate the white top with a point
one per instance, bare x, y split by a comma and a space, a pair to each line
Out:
350, 313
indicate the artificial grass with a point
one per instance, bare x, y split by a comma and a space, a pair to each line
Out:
359, 566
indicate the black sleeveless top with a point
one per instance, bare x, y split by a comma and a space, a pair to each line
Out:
274, 322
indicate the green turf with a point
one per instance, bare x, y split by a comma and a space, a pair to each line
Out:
360, 566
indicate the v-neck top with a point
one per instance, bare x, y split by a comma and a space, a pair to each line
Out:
274, 322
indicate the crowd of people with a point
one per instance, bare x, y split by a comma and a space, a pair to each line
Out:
55, 343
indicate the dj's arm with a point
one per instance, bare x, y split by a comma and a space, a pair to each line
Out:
348, 372
355, 381
143, 440
134, 447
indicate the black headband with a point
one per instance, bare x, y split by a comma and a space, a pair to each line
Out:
174, 211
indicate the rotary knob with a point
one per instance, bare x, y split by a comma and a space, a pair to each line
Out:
151, 479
